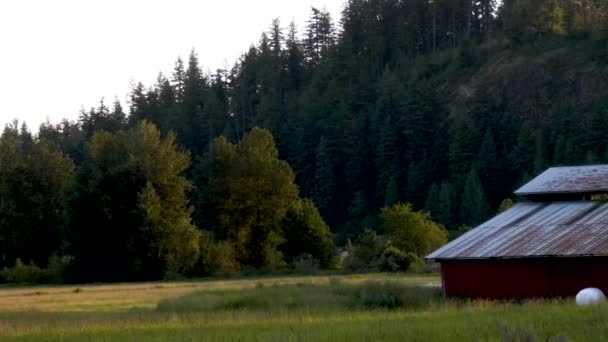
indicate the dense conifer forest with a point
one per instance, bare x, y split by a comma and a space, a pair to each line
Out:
447, 105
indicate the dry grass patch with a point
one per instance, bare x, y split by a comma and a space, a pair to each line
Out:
147, 295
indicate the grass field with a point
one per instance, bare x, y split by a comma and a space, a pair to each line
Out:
340, 308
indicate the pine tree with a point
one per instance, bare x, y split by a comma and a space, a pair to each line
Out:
36, 178
446, 204
194, 124
137, 104
488, 167
473, 204
432, 201
392, 191
415, 189
463, 144
324, 184
319, 36
387, 162
178, 80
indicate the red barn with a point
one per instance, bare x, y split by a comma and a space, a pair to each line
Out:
553, 245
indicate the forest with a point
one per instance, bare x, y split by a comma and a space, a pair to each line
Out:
414, 120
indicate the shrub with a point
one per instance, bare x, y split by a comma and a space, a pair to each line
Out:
306, 233
216, 257
172, 274
394, 260
335, 281
505, 205
305, 264
57, 268
23, 274
392, 295
365, 253
412, 231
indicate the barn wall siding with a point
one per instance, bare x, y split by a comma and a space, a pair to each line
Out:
523, 278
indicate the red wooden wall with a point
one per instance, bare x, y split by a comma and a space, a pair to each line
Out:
523, 278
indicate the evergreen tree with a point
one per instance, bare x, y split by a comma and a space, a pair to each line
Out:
35, 180
324, 185
432, 201
392, 191
489, 167
473, 204
446, 204
463, 144
178, 80
319, 36
415, 189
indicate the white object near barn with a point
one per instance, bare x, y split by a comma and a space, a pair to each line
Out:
590, 296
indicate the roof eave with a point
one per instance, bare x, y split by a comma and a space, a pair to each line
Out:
439, 259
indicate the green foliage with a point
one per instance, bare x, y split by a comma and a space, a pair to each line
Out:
58, 267
35, 182
324, 189
473, 205
216, 257
411, 231
555, 16
305, 232
277, 312
133, 204
306, 296
364, 254
445, 105
248, 193
21, 273
393, 295
394, 260
305, 264
505, 205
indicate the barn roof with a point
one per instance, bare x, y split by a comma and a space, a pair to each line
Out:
536, 229
568, 180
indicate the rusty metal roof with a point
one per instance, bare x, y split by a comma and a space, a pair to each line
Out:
572, 179
536, 229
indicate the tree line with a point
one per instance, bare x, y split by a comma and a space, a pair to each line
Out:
397, 102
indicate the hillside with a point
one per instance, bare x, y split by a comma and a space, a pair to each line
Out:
445, 105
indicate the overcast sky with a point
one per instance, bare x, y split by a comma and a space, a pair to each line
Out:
58, 56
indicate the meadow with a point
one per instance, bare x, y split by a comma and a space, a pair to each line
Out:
311, 308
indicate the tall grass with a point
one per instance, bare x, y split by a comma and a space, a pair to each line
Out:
310, 297
337, 308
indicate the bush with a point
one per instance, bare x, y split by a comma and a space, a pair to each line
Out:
392, 295
57, 268
305, 264
172, 274
335, 281
365, 254
23, 274
412, 231
394, 260
305, 232
216, 257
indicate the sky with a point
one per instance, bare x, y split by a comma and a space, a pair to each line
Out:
59, 56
